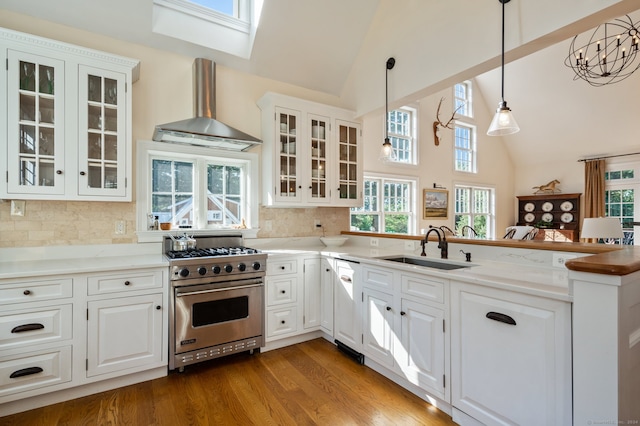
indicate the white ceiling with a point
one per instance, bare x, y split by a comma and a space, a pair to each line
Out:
561, 119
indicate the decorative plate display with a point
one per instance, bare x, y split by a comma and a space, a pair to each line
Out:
566, 217
529, 207
529, 217
566, 206
547, 217
547, 207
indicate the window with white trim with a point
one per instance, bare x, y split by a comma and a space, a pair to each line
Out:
464, 147
475, 207
196, 187
462, 100
402, 134
621, 181
388, 206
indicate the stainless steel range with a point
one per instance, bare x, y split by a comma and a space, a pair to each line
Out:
217, 299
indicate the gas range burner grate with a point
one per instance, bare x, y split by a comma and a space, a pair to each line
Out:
212, 252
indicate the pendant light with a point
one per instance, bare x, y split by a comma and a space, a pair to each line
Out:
386, 153
503, 122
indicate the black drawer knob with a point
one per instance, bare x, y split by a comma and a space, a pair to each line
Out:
26, 292
127, 283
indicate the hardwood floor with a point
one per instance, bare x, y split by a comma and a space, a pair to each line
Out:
311, 383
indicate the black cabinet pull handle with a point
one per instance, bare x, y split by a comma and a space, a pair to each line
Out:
282, 322
388, 308
27, 327
282, 291
127, 283
345, 278
327, 269
25, 372
26, 292
497, 316
403, 313
283, 268
158, 307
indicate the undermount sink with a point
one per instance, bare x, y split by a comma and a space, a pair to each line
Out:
426, 263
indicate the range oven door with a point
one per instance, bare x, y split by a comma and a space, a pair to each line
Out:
207, 315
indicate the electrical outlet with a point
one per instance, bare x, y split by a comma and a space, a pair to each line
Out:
409, 245
559, 259
374, 242
18, 207
120, 227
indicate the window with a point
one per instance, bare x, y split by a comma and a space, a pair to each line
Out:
462, 101
388, 206
475, 207
402, 131
196, 187
464, 148
228, 7
620, 201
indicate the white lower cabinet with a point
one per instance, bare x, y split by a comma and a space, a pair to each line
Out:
124, 333
327, 280
64, 332
404, 329
511, 356
293, 295
347, 325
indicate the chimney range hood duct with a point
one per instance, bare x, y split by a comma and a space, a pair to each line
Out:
204, 129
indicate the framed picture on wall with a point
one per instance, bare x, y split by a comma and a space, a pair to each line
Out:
435, 203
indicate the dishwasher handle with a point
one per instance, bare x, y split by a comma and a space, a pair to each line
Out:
497, 316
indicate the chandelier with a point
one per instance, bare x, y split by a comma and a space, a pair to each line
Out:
608, 56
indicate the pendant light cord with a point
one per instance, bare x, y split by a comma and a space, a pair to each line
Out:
391, 62
502, 93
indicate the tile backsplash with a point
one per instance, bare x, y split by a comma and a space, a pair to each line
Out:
49, 223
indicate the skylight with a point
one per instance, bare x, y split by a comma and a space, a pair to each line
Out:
225, 25
228, 7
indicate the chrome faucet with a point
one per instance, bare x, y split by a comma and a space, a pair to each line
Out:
443, 245
472, 231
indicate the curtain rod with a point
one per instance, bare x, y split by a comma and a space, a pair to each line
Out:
608, 156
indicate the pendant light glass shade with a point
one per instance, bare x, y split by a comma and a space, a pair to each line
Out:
503, 122
387, 153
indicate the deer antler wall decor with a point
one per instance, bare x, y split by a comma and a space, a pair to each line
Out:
439, 124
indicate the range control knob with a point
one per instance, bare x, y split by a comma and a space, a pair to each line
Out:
216, 269
256, 266
242, 267
228, 268
202, 270
184, 272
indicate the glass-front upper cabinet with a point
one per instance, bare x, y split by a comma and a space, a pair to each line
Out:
318, 128
287, 154
35, 102
349, 171
102, 114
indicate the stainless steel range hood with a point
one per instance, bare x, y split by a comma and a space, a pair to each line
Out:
204, 129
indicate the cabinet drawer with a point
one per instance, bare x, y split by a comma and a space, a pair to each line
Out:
128, 281
282, 321
281, 290
24, 372
31, 291
428, 288
379, 278
281, 267
40, 325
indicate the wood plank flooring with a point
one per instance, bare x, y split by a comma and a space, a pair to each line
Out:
311, 383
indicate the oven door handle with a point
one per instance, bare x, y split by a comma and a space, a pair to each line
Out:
215, 290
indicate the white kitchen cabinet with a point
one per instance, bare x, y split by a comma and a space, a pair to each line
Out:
347, 324
377, 326
312, 293
67, 121
312, 154
511, 356
124, 333
404, 326
327, 280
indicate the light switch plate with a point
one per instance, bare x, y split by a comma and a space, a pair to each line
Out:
18, 207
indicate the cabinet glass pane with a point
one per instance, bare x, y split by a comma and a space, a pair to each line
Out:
110, 91
95, 117
111, 176
94, 179
27, 108
110, 148
94, 148
46, 109
27, 139
46, 173
95, 88
27, 172
46, 79
27, 76
47, 141
110, 119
